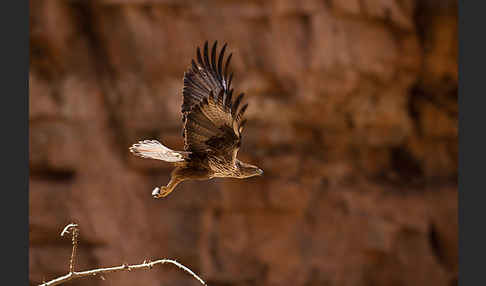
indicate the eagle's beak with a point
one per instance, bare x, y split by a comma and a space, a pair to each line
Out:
260, 172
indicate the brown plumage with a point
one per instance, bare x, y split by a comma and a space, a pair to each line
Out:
213, 123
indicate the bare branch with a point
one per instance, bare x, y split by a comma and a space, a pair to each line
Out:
124, 267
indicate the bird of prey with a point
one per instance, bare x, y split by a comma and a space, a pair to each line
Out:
212, 126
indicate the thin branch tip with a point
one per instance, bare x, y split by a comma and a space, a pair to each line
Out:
65, 230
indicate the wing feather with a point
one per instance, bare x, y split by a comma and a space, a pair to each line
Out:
240, 114
236, 104
226, 67
220, 62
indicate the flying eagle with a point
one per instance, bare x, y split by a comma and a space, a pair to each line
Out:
212, 121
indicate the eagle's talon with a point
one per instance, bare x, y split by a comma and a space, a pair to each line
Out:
160, 192
156, 193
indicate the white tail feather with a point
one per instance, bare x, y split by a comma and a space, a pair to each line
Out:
155, 150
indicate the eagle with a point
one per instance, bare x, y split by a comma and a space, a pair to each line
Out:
212, 126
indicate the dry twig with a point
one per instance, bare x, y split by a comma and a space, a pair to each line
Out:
75, 230
124, 267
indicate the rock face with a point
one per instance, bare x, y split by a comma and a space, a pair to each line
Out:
352, 115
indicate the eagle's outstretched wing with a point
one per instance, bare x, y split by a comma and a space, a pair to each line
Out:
212, 120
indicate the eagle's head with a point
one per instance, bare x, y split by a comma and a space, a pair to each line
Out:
247, 170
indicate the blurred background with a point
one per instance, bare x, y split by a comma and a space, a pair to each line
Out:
352, 115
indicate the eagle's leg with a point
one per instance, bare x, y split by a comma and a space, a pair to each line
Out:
165, 191
180, 174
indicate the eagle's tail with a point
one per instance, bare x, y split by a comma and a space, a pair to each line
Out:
155, 150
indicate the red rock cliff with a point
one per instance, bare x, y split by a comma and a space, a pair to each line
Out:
353, 117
